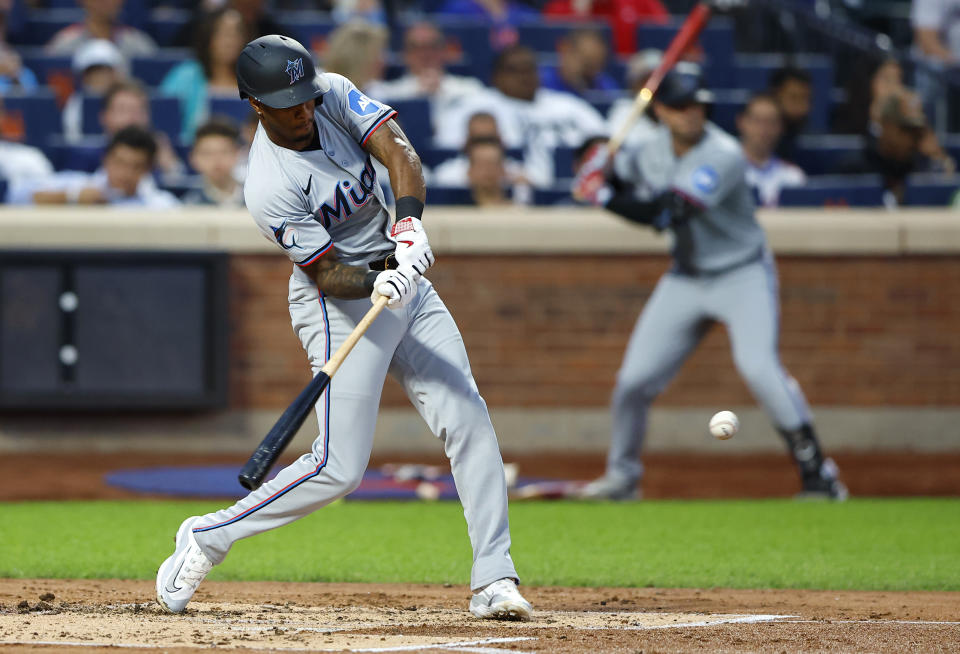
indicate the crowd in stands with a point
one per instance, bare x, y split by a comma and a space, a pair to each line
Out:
498, 96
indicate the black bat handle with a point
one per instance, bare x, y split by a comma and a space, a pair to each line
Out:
282, 432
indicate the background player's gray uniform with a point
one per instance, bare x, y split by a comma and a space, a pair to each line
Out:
308, 202
722, 271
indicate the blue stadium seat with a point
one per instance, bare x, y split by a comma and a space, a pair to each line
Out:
85, 156
236, 109
753, 72
167, 25
151, 70
39, 111
726, 107
42, 64
432, 157
446, 195
563, 163
836, 191
3, 190
164, 114
717, 39
41, 25
414, 117
818, 154
306, 26
542, 36
552, 196
930, 190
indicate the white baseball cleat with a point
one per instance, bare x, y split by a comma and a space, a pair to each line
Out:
179, 576
501, 601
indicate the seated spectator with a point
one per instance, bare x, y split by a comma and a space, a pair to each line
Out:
529, 117
215, 154
936, 43
21, 163
760, 126
895, 151
98, 65
219, 40
100, 22
123, 180
623, 16
581, 65
371, 11
357, 51
13, 74
487, 176
793, 90
256, 15
865, 92
453, 172
639, 68
425, 57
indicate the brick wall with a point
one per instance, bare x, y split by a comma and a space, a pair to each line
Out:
550, 331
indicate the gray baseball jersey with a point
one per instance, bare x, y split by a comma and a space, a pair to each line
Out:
307, 203
723, 273
711, 176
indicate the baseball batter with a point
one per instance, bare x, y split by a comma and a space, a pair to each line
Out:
312, 190
688, 177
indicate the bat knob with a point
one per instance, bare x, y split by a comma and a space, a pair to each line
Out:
248, 481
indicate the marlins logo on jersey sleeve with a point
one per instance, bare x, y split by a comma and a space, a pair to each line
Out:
360, 115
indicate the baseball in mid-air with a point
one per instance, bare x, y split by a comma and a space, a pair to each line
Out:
724, 425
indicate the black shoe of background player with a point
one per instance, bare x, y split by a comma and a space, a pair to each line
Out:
824, 486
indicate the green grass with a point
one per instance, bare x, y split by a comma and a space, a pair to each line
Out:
862, 544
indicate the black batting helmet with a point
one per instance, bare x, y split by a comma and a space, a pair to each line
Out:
279, 72
684, 85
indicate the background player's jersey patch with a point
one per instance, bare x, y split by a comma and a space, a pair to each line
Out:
705, 178
361, 104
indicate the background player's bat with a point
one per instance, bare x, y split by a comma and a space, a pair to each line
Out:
688, 33
282, 432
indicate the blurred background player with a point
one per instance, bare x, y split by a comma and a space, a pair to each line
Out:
690, 179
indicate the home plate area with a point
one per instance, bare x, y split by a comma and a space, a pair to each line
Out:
300, 628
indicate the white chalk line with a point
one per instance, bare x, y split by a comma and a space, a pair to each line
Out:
748, 619
865, 621
459, 646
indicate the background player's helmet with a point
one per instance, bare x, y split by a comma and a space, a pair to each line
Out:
684, 85
279, 72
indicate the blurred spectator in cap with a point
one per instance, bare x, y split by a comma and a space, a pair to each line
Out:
425, 56
793, 90
13, 74
639, 68
123, 179
760, 126
623, 16
530, 118
97, 65
357, 51
895, 151
453, 172
219, 40
581, 64
100, 22
215, 154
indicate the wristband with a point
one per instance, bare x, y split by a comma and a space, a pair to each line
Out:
409, 206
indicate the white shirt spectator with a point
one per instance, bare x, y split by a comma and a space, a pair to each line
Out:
451, 91
23, 163
773, 176
148, 196
618, 114
453, 172
942, 16
552, 120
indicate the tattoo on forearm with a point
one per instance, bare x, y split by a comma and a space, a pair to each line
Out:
343, 281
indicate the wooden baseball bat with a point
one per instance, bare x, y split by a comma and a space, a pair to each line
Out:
282, 432
688, 33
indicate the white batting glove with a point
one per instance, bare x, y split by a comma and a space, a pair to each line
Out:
413, 249
399, 285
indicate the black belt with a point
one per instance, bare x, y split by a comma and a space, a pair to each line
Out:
389, 262
687, 271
